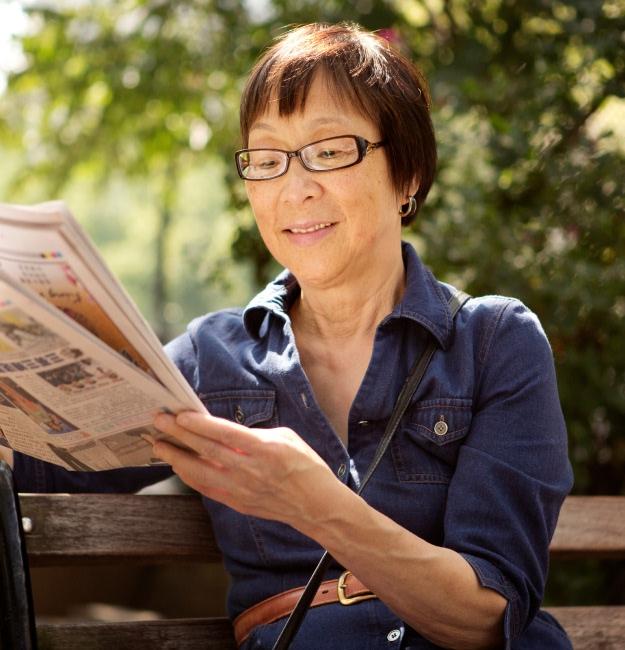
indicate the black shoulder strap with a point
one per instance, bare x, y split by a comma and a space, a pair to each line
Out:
455, 303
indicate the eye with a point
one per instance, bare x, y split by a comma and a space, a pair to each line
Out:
332, 153
263, 160
267, 164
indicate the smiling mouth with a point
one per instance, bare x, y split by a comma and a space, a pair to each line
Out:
303, 231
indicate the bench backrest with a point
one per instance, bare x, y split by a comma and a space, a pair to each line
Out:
103, 529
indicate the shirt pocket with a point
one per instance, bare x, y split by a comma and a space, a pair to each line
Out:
425, 449
250, 407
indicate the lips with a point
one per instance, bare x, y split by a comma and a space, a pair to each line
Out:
306, 228
309, 233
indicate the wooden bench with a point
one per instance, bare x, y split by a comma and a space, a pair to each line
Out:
104, 529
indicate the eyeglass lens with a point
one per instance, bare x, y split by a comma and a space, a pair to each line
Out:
325, 155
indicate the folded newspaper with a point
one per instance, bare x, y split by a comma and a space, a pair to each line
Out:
82, 375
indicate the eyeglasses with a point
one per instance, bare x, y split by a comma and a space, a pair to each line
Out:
321, 156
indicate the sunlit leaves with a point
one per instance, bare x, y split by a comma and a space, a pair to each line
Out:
529, 106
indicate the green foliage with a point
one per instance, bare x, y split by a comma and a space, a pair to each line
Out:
528, 99
530, 200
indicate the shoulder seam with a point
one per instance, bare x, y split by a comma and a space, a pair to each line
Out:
490, 332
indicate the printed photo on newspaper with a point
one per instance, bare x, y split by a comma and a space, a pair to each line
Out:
81, 373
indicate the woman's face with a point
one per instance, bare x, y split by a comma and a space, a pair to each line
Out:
326, 227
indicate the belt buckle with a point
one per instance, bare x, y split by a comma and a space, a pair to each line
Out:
341, 587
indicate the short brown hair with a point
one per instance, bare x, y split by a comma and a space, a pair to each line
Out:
360, 67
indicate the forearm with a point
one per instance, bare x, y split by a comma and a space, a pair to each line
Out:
432, 588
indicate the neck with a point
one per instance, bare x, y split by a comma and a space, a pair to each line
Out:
352, 309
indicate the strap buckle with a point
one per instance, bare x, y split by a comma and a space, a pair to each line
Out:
341, 588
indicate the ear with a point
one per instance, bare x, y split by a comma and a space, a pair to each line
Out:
414, 186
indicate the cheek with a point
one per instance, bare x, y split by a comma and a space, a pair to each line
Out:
260, 204
377, 204
254, 196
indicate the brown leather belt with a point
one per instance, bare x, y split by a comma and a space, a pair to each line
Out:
346, 590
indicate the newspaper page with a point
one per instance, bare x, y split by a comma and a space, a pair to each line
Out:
44, 248
65, 397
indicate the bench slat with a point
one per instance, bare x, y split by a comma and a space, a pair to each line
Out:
120, 527
117, 528
590, 628
593, 628
590, 527
175, 634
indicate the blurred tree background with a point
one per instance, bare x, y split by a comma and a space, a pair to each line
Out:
128, 109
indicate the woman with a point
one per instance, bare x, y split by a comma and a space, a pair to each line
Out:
452, 532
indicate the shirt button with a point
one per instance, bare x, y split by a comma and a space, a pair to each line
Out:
363, 423
440, 428
393, 635
239, 416
341, 470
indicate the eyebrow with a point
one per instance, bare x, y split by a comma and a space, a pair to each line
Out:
320, 121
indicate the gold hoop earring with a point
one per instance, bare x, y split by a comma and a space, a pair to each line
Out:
408, 209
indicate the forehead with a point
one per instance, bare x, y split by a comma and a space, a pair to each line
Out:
323, 105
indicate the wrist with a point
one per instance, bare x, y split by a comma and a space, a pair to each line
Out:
329, 512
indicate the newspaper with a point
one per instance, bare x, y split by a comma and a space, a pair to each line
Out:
82, 375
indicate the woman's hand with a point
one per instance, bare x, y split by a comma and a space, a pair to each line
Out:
270, 473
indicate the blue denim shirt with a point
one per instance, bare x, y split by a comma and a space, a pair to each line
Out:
489, 484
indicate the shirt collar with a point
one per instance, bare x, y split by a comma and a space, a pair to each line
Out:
424, 301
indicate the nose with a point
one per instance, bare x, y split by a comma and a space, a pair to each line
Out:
298, 184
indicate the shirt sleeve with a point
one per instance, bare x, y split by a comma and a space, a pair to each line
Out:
513, 471
33, 475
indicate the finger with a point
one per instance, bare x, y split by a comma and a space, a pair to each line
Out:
167, 423
206, 448
202, 474
166, 429
228, 433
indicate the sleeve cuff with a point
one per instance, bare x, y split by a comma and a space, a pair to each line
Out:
490, 577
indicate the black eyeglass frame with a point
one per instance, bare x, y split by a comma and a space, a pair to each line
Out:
363, 145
